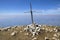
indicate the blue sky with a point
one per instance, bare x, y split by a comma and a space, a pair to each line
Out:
12, 11
18, 7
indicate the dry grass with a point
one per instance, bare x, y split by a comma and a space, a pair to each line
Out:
5, 35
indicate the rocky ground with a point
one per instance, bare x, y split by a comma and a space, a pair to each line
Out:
18, 33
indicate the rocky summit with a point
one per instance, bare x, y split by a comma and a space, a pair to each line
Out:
30, 32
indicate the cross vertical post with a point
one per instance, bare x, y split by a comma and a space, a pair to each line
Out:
31, 13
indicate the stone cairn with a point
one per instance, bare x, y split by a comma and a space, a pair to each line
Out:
33, 29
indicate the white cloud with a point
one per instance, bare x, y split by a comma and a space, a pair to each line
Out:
39, 12
49, 11
13, 15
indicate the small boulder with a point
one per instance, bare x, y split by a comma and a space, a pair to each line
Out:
46, 38
34, 38
55, 35
14, 33
20, 31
